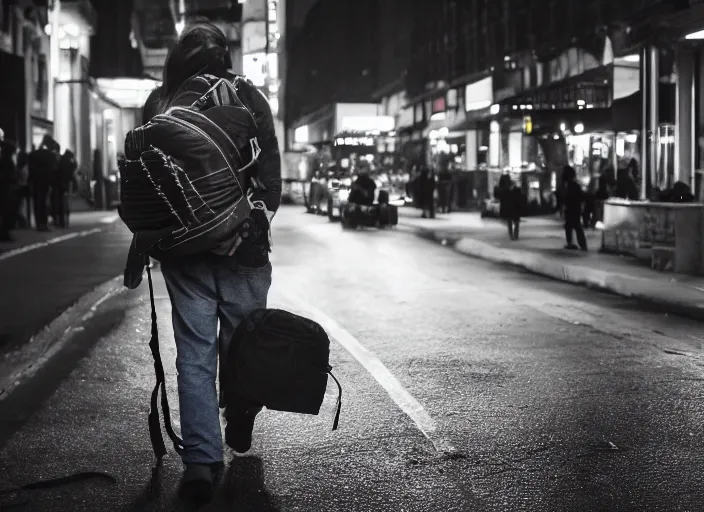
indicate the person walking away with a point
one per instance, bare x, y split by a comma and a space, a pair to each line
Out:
426, 192
573, 199
206, 290
444, 190
626, 187
24, 207
366, 186
40, 173
589, 213
56, 198
66, 171
9, 191
511, 202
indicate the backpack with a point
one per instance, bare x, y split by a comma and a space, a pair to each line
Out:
281, 361
186, 173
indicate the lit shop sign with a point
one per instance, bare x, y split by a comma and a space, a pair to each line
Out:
439, 105
354, 141
479, 95
254, 66
367, 124
301, 135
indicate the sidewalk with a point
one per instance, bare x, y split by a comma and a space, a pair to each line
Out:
540, 250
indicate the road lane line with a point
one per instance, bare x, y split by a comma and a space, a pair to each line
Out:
39, 245
403, 399
32, 356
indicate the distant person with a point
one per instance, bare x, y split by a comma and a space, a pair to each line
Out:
24, 207
364, 189
61, 187
56, 192
426, 193
444, 190
511, 202
572, 207
42, 163
626, 187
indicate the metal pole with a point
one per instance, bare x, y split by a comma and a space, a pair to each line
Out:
644, 152
653, 118
693, 121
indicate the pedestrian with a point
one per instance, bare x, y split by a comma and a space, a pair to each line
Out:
626, 187
572, 205
444, 189
206, 289
511, 203
56, 197
65, 176
363, 188
24, 208
9, 190
426, 192
41, 166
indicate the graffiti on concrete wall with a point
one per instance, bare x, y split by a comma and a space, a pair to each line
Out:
659, 226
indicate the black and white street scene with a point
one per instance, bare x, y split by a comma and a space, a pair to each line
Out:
352, 255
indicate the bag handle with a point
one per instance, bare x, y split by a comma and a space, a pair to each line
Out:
339, 399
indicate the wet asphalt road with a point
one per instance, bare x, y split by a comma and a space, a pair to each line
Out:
554, 398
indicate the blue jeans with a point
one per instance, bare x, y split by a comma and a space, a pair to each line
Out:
202, 293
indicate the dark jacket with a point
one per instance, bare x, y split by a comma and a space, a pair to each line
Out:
363, 190
573, 199
511, 203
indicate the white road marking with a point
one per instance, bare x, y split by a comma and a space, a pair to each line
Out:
403, 399
39, 245
34, 355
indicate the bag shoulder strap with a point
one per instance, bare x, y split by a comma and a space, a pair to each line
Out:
155, 434
339, 399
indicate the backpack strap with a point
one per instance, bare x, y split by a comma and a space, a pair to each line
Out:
339, 399
155, 434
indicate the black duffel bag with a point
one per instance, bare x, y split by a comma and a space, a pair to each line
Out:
281, 361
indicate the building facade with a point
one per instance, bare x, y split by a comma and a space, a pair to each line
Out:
25, 113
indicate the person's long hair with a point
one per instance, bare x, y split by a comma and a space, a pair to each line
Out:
201, 49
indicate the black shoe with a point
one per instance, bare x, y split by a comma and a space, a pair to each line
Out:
197, 484
238, 431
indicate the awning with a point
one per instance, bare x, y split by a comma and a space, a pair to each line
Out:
626, 112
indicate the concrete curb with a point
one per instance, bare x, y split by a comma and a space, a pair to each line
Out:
24, 362
673, 296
